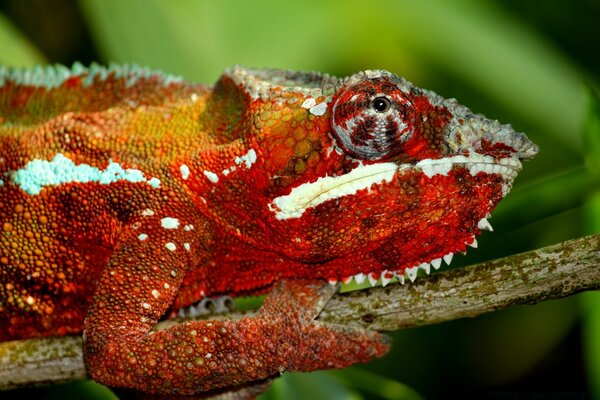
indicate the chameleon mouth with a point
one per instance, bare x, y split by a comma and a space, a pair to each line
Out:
311, 194
410, 274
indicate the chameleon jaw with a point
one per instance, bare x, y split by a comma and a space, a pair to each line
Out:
410, 274
311, 194
402, 276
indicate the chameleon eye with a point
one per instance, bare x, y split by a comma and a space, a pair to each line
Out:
370, 121
381, 104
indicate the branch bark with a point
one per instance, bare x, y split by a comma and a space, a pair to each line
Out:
528, 278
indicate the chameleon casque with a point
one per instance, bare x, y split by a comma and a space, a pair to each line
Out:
127, 195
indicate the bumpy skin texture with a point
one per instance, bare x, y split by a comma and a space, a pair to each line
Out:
127, 195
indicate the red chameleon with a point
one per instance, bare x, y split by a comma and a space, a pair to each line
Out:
128, 195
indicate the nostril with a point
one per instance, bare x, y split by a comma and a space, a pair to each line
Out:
503, 140
525, 148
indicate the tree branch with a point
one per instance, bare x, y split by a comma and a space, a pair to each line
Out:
549, 273
528, 278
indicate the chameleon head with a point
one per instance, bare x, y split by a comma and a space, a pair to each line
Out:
410, 179
378, 116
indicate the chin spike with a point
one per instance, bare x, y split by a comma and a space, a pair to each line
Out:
347, 279
359, 278
425, 267
386, 277
332, 281
448, 258
473, 244
400, 276
373, 278
412, 273
484, 224
437, 263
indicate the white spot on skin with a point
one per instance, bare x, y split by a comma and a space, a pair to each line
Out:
186, 246
1, 183
146, 306
185, 171
171, 246
211, 176
194, 97
38, 174
154, 182
225, 172
249, 158
142, 237
309, 103
155, 293
29, 300
147, 213
319, 109
169, 223
188, 228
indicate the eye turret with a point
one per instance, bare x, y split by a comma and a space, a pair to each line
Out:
371, 120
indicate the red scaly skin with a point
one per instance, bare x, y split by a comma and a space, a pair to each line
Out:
128, 195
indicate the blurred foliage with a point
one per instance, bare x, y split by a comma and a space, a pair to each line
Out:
591, 301
14, 49
527, 63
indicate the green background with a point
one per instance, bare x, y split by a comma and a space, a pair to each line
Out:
535, 64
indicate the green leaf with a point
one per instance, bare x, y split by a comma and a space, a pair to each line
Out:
315, 386
478, 42
15, 50
591, 133
380, 385
591, 301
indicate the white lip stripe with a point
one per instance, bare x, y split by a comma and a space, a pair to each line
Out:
311, 194
326, 188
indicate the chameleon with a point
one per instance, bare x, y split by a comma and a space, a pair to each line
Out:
128, 195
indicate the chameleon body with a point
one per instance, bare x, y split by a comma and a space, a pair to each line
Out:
127, 195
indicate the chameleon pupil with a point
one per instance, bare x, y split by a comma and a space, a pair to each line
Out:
381, 104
